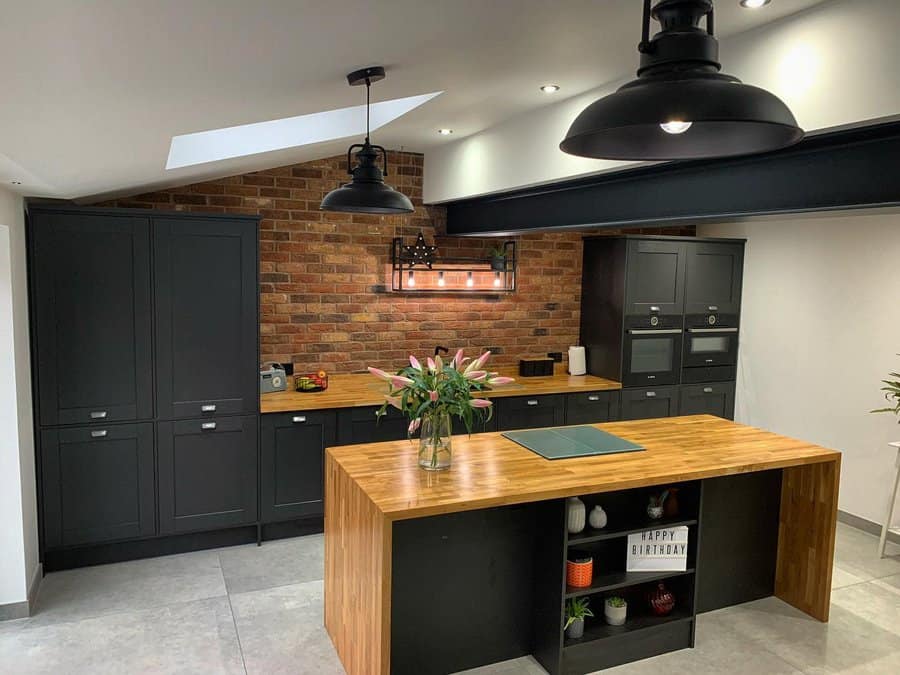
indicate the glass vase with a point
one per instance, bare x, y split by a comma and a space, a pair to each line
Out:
434, 441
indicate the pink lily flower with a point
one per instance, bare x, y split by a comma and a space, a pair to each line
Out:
414, 362
433, 395
501, 380
476, 375
398, 381
414, 425
480, 403
477, 363
458, 359
438, 364
380, 374
430, 362
394, 401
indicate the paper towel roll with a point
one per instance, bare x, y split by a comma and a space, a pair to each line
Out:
576, 361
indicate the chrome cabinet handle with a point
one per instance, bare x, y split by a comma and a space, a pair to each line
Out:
707, 390
98, 434
713, 308
208, 408
298, 419
594, 397
651, 394
712, 330
98, 415
654, 309
532, 401
709, 360
208, 425
654, 331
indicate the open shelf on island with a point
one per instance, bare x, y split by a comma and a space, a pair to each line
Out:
614, 580
589, 534
598, 629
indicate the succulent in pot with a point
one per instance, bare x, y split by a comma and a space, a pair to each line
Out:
498, 258
576, 611
615, 610
430, 393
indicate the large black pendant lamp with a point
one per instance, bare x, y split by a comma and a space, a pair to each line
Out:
367, 192
681, 106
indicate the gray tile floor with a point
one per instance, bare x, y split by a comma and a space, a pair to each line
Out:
259, 610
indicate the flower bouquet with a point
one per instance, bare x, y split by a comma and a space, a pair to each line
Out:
428, 395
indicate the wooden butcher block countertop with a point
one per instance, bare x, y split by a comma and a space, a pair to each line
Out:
490, 470
356, 390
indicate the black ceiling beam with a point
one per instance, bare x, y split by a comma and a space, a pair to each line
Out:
846, 169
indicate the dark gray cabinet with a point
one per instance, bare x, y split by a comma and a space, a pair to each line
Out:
91, 317
714, 272
206, 317
655, 273
97, 484
459, 429
530, 412
207, 473
641, 404
714, 398
361, 425
592, 407
292, 459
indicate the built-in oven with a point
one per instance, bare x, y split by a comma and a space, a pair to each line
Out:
651, 350
710, 348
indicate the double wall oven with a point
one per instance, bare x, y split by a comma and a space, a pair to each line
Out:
652, 350
710, 347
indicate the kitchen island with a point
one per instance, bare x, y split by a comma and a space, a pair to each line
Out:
438, 572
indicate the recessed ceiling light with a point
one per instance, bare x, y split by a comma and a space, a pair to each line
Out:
445, 132
550, 88
754, 4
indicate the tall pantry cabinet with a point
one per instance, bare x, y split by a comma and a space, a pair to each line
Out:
145, 355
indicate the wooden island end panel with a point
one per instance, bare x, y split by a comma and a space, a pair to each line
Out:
358, 542
806, 536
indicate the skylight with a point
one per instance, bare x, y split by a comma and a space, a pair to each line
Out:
289, 132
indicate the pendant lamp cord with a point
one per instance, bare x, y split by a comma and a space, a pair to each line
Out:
368, 85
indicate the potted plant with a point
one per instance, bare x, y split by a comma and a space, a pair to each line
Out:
576, 611
498, 258
430, 394
655, 505
891, 395
615, 609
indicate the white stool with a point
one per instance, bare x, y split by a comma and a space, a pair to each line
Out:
890, 512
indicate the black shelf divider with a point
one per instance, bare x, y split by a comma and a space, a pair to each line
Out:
598, 629
590, 535
614, 580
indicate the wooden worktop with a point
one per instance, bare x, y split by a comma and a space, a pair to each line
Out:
363, 389
490, 470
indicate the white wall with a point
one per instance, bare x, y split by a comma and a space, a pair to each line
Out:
18, 508
820, 328
834, 64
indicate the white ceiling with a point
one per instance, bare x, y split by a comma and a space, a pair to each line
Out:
91, 92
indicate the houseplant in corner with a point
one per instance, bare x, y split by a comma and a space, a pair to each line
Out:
576, 611
891, 395
430, 394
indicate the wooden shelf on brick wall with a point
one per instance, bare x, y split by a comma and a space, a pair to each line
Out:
453, 275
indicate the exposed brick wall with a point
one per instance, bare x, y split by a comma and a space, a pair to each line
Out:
323, 275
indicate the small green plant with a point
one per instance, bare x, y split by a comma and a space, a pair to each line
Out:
498, 251
577, 608
658, 500
615, 601
891, 395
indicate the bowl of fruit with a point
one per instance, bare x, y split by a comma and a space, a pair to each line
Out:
311, 382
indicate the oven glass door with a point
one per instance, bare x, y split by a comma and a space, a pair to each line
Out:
710, 347
652, 357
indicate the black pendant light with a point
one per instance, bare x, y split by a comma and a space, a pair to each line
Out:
681, 106
367, 192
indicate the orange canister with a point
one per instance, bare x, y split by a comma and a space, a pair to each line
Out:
579, 569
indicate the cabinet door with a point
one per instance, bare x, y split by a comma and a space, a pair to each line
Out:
361, 425
92, 317
713, 277
643, 404
459, 429
715, 398
207, 473
293, 463
207, 317
97, 484
655, 277
592, 407
530, 412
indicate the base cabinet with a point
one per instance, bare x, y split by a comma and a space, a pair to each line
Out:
292, 463
362, 425
530, 412
97, 484
592, 407
207, 473
714, 398
644, 404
